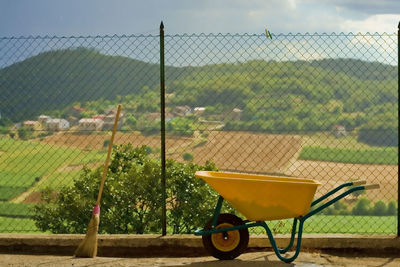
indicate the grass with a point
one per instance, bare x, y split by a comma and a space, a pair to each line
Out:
27, 162
325, 224
325, 147
88, 157
319, 224
59, 179
386, 155
17, 225
9, 192
14, 210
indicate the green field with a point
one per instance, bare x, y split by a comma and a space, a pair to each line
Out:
17, 225
325, 224
325, 147
56, 166
25, 163
361, 156
319, 224
14, 210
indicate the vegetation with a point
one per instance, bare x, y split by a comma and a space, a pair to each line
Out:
275, 97
322, 224
17, 225
188, 156
14, 210
25, 162
363, 207
131, 201
350, 155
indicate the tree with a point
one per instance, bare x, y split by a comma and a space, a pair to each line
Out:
379, 209
380, 132
392, 208
132, 197
131, 121
24, 133
362, 207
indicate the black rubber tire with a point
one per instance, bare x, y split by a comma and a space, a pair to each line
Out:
235, 252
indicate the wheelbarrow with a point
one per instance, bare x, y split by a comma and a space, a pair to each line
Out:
262, 198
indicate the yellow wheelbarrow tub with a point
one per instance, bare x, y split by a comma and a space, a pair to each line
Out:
263, 197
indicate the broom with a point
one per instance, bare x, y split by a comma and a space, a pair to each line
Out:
88, 247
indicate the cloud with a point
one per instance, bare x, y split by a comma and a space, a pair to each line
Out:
369, 6
376, 23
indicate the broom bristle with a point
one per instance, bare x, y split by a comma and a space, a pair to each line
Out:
88, 247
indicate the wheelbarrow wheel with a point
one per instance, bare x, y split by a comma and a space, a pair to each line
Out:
227, 245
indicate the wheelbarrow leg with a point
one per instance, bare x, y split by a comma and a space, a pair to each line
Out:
217, 211
279, 252
293, 235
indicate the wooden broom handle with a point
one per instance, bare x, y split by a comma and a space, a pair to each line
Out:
110, 145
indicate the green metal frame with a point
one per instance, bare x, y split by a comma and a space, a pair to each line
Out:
301, 220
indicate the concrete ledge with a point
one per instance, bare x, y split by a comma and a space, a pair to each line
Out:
187, 245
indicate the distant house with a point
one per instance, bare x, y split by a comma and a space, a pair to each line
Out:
90, 124
156, 116
30, 124
182, 111
100, 117
339, 131
43, 119
73, 120
109, 121
234, 115
199, 110
57, 125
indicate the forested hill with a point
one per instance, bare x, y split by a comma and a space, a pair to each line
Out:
56, 79
358, 68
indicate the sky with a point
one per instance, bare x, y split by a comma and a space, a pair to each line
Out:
110, 17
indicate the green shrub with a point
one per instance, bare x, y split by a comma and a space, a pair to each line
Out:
4, 130
131, 121
380, 132
190, 199
131, 200
338, 208
180, 126
188, 156
132, 197
148, 127
392, 208
106, 142
362, 207
24, 133
379, 209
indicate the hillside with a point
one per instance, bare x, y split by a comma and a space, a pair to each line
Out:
289, 96
55, 79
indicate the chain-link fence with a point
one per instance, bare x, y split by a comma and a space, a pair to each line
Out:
321, 106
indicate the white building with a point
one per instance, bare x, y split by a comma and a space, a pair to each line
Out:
199, 110
43, 119
90, 124
57, 125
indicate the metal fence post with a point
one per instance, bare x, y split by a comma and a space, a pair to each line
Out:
398, 117
162, 95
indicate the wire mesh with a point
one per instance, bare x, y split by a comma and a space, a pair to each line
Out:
303, 105
321, 106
